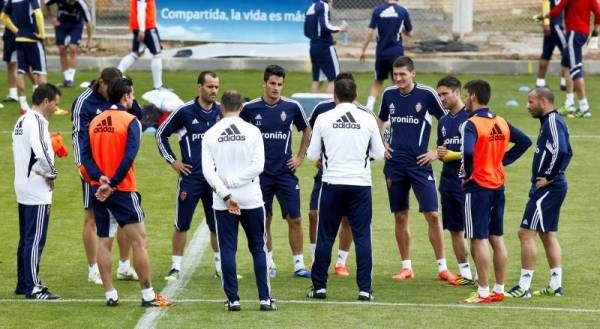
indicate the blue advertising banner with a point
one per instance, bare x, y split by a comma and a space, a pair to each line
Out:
268, 21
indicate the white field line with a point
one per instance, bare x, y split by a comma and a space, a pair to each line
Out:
191, 259
338, 303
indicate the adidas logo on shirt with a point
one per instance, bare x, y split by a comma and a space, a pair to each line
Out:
98, 111
388, 13
525, 222
346, 121
195, 122
496, 134
105, 126
231, 134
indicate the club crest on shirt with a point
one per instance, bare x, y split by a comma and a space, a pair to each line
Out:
283, 116
444, 131
258, 119
392, 109
418, 107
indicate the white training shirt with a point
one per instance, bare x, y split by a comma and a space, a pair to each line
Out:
345, 139
34, 159
233, 156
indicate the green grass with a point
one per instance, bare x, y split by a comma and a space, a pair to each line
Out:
64, 268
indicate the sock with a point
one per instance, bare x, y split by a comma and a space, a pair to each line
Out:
570, 100
23, 102
66, 74
298, 261
563, 82
465, 270
217, 256
555, 278
112, 295
126, 62
499, 288
176, 262
148, 294
525, 280
583, 105
483, 292
270, 261
72, 74
407, 264
341, 259
540, 83
156, 68
371, 102
441, 265
12, 93
313, 247
93, 268
124, 265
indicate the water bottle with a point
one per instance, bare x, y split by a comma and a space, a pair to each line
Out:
344, 34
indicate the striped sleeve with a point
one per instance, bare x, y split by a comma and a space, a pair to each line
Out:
556, 144
87, 16
168, 127
81, 121
38, 134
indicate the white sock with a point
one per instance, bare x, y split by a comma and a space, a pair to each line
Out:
217, 257
176, 262
156, 68
540, 83
441, 265
525, 280
270, 261
570, 99
298, 261
407, 264
124, 265
341, 259
72, 74
12, 93
23, 102
93, 268
583, 105
371, 102
313, 246
148, 294
563, 82
483, 292
555, 278
499, 288
465, 270
126, 62
112, 295
66, 74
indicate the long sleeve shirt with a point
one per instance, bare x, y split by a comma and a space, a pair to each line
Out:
577, 14
553, 151
317, 25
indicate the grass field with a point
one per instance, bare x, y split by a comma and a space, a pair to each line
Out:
422, 302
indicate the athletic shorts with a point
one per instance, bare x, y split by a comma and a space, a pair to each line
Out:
484, 212
421, 180
68, 36
189, 192
151, 41
383, 66
287, 190
88, 196
121, 208
572, 55
314, 195
556, 39
9, 52
31, 56
325, 63
543, 208
453, 215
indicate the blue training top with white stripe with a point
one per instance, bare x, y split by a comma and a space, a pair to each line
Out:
317, 25
390, 19
275, 123
71, 14
448, 134
21, 13
553, 150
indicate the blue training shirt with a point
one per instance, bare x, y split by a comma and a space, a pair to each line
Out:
449, 135
317, 25
21, 14
390, 19
71, 14
275, 123
190, 121
553, 150
410, 116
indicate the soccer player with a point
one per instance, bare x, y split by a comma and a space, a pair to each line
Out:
26, 21
233, 156
345, 232
68, 23
274, 116
34, 182
548, 191
9, 56
449, 142
485, 141
318, 29
577, 23
345, 138
142, 21
115, 137
86, 106
409, 107
554, 37
391, 21
191, 121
